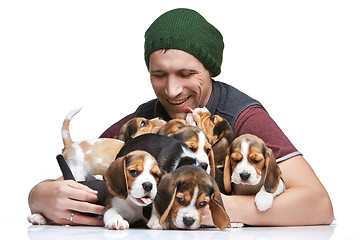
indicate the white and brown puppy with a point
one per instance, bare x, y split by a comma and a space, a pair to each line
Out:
252, 169
216, 128
132, 184
139, 125
90, 157
182, 196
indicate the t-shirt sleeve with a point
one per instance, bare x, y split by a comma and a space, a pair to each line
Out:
255, 120
115, 128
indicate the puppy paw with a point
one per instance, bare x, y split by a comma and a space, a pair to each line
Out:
154, 223
37, 219
263, 200
236, 225
117, 223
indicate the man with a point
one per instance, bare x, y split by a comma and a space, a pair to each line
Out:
183, 52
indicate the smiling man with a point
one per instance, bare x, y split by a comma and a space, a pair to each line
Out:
179, 80
183, 53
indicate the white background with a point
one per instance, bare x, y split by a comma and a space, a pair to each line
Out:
301, 59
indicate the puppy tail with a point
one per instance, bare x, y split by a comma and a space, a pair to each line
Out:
65, 133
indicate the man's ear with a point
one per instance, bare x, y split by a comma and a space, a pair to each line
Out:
116, 178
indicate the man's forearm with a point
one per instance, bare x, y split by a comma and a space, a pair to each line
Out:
304, 202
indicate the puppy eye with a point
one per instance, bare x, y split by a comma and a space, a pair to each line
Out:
255, 161
212, 118
236, 160
134, 173
193, 149
202, 204
208, 151
181, 200
155, 175
143, 123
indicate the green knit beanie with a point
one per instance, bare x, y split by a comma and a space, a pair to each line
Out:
187, 30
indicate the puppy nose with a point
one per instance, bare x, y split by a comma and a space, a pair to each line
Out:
188, 221
147, 186
204, 165
244, 176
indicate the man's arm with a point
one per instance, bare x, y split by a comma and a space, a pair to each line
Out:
304, 202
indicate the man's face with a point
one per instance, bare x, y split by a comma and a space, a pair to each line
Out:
179, 80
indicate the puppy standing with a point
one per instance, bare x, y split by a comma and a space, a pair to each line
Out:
252, 169
85, 159
217, 129
90, 157
132, 183
182, 197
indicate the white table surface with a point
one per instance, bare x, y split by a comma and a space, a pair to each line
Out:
335, 231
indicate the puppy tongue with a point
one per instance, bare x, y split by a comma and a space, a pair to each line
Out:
188, 110
146, 200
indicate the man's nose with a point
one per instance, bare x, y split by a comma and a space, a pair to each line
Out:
174, 87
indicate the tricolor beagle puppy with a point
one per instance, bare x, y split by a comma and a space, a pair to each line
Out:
139, 125
88, 158
252, 169
169, 128
199, 144
132, 184
192, 136
170, 153
217, 129
182, 197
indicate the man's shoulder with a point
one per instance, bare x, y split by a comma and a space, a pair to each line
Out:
230, 102
146, 109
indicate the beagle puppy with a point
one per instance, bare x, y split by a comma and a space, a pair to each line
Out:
182, 197
192, 136
199, 144
90, 157
252, 169
216, 128
132, 183
170, 153
169, 128
139, 125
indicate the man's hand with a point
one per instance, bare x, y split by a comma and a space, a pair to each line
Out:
62, 201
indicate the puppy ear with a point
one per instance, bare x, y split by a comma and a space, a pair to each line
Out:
211, 163
192, 119
222, 130
165, 196
227, 174
127, 130
115, 178
218, 213
273, 172
220, 149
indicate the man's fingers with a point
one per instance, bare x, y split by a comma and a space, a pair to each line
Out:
80, 186
76, 218
86, 207
81, 192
